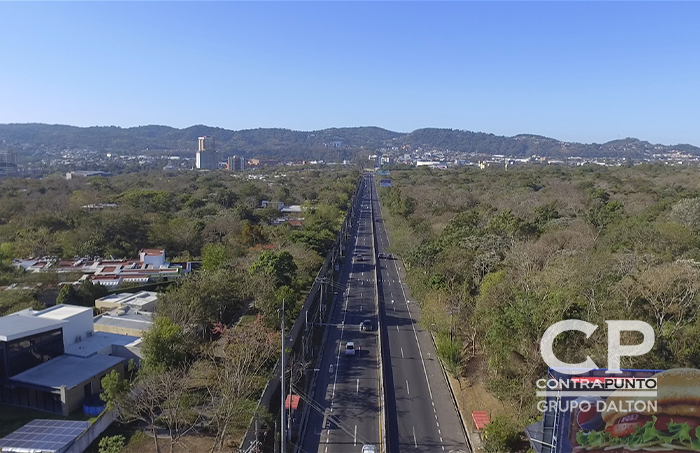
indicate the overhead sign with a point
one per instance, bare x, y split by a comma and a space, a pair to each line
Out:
383, 172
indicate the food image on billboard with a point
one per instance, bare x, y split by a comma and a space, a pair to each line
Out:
634, 411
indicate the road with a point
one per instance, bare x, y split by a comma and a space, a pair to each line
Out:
421, 413
346, 404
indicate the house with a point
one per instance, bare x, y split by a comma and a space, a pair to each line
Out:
142, 301
53, 359
112, 273
127, 314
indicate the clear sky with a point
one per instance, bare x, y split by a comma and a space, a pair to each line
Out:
588, 72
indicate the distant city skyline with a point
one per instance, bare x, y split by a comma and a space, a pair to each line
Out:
579, 72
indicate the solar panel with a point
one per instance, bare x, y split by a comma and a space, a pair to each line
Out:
44, 435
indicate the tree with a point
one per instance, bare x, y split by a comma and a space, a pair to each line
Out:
240, 360
213, 256
687, 212
111, 444
68, 295
88, 292
164, 344
277, 265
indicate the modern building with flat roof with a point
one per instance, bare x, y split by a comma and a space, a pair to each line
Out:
53, 359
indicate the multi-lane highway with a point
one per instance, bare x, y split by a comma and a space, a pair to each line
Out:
421, 415
347, 402
346, 410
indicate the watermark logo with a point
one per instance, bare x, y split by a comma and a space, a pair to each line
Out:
615, 349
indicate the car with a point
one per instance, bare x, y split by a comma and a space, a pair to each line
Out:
380, 255
366, 325
359, 258
367, 448
350, 348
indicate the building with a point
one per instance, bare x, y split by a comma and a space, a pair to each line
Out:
124, 321
112, 273
256, 162
85, 174
8, 163
235, 163
53, 359
207, 157
142, 301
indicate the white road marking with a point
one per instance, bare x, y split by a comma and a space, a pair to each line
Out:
408, 389
358, 386
420, 351
402, 354
397, 328
415, 441
355, 442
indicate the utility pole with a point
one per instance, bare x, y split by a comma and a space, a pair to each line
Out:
283, 437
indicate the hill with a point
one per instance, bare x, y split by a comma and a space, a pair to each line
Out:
328, 144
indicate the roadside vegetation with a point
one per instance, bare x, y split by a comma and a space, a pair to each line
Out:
495, 257
203, 371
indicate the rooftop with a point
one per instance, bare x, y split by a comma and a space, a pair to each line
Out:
62, 311
90, 346
16, 326
66, 370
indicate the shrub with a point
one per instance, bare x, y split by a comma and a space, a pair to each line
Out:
501, 435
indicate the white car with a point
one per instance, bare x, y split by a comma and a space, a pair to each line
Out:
367, 448
350, 348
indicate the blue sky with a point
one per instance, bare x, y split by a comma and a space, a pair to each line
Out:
576, 71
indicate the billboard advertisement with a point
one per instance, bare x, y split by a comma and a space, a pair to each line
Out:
385, 183
628, 411
383, 172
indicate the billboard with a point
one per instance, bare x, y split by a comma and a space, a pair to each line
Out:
635, 410
385, 183
383, 172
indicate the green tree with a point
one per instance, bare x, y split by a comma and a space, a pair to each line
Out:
213, 256
111, 444
68, 295
164, 344
277, 265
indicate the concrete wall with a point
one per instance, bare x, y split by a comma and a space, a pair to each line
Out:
72, 398
77, 325
118, 329
89, 435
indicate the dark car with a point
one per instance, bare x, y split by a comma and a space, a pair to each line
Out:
366, 325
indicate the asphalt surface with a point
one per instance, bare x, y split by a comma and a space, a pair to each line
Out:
346, 404
421, 412
345, 412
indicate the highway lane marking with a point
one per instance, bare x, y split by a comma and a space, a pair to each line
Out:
358, 386
415, 441
408, 389
402, 354
397, 328
355, 442
420, 351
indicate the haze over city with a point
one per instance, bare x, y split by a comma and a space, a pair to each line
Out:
586, 72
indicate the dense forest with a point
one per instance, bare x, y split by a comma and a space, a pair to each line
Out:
210, 351
330, 144
495, 257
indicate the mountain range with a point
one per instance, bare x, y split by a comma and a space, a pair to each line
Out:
329, 144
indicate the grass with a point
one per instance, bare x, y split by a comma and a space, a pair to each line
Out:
14, 417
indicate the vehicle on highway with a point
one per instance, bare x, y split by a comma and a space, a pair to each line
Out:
350, 348
366, 325
381, 255
367, 448
359, 258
